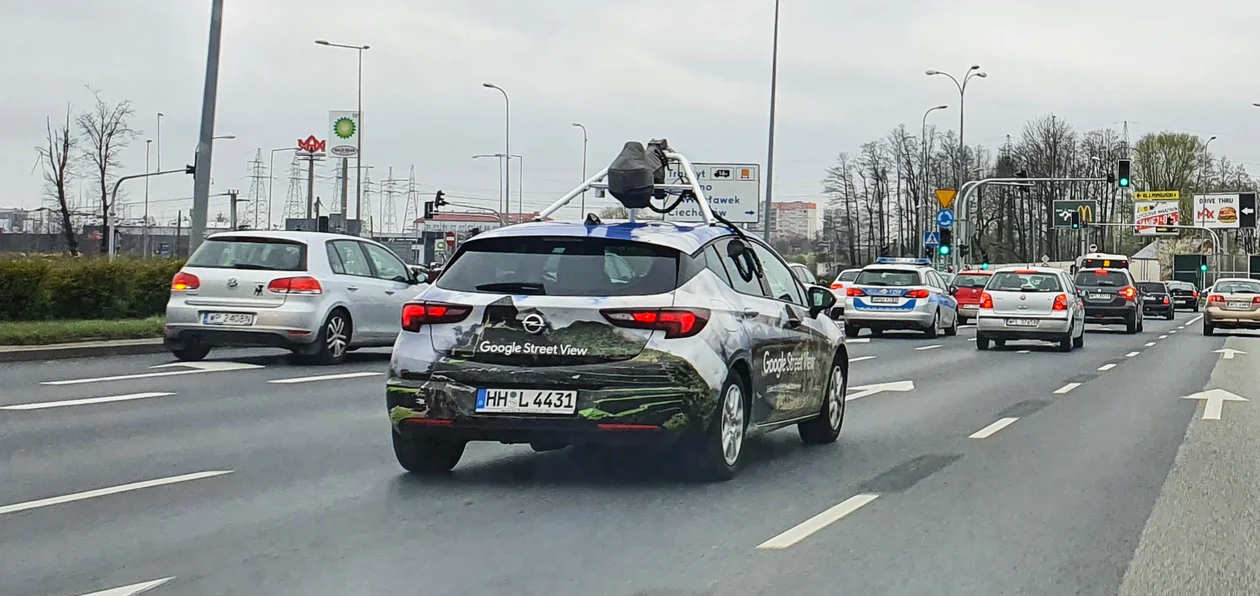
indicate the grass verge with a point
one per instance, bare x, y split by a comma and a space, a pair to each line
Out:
33, 333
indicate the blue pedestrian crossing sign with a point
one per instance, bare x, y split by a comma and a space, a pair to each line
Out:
945, 218
932, 238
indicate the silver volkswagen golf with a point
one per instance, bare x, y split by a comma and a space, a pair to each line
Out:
318, 295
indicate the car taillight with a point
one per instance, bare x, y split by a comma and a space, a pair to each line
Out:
295, 285
1216, 298
1255, 300
1195, 294
185, 281
675, 322
1128, 292
854, 292
835, 285
417, 314
986, 300
917, 294
1060, 302
1165, 300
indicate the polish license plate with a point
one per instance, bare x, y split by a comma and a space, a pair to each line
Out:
883, 300
1152, 299
1240, 305
526, 401
1106, 297
1021, 322
229, 319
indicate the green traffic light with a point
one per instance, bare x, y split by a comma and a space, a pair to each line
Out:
1124, 183
1203, 267
984, 266
944, 250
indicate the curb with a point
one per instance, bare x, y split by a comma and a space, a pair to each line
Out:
87, 349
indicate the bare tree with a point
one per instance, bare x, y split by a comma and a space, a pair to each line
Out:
106, 131
57, 159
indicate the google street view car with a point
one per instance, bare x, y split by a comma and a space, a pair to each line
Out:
688, 336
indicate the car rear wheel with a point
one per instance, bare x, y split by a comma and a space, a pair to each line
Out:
723, 447
952, 330
1079, 341
1207, 328
334, 339
982, 342
191, 352
1065, 342
851, 330
1131, 323
826, 427
1171, 314
935, 330
425, 455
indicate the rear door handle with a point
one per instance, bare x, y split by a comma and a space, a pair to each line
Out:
750, 313
353, 288
390, 292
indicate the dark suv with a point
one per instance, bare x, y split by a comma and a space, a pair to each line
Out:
1157, 299
1111, 298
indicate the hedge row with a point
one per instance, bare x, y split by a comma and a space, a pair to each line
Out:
47, 288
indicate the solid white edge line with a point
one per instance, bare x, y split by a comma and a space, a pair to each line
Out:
971, 339
133, 589
1067, 388
101, 492
1131, 354
992, 429
86, 401
1150, 343
1106, 367
931, 347
857, 340
352, 375
1194, 320
861, 358
812, 525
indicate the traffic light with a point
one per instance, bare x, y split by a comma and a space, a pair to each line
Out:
1203, 267
1122, 172
439, 200
947, 241
984, 266
191, 170
428, 209
1076, 220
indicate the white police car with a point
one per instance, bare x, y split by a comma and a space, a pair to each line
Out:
900, 294
654, 333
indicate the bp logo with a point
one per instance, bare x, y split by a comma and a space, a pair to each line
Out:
343, 128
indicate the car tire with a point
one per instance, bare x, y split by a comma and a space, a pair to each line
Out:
982, 342
935, 330
191, 352
825, 428
962, 320
726, 432
952, 330
427, 456
1079, 341
333, 341
1172, 314
1207, 329
1131, 324
851, 330
1065, 342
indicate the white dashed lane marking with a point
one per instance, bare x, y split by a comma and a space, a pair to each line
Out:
931, 347
1150, 343
353, 375
1067, 388
1163, 337
133, 589
992, 429
861, 358
812, 525
113, 490
1106, 367
1131, 354
85, 401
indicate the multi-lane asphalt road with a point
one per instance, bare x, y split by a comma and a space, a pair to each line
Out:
1010, 471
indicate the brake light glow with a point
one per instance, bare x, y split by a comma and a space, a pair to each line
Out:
1026, 271
185, 281
1255, 300
1060, 302
417, 314
920, 293
295, 285
1128, 292
1195, 294
1165, 300
1216, 298
675, 322
1101, 271
854, 292
986, 300
836, 285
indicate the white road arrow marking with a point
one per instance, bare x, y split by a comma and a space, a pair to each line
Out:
869, 390
133, 589
1215, 399
192, 368
1228, 353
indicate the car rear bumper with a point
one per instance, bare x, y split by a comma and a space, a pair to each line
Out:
1048, 328
861, 314
1231, 319
653, 397
1109, 314
279, 327
1159, 307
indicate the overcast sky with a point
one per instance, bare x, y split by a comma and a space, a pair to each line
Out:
694, 71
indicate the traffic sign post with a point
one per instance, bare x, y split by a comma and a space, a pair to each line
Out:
450, 240
1063, 211
945, 196
931, 238
733, 191
945, 218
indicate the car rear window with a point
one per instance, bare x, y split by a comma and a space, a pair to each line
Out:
848, 275
562, 266
1236, 287
1154, 287
1011, 281
888, 277
250, 252
970, 280
1103, 278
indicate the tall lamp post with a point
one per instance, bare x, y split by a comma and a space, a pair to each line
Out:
147, 144
584, 141
159, 140
358, 139
271, 181
774, 79
507, 143
920, 220
209, 101
972, 72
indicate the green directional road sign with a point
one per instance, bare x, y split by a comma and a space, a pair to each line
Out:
1063, 212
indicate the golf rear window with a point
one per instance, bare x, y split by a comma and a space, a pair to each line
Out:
250, 252
970, 280
848, 276
1024, 282
562, 266
1102, 278
888, 277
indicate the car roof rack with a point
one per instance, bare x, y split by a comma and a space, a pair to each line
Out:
692, 187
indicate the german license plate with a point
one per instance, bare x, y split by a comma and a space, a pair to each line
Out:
1100, 297
883, 300
229, 319
526, 401
1240, 305
1021, 322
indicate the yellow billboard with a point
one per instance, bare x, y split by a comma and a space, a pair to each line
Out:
1157, 195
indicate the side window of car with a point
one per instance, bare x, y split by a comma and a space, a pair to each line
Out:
782, 284
388, 265
713, 262
738, 270
352, 258
934, 280
334, 259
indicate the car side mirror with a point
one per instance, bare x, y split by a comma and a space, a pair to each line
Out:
735, 247
953, 290
820, 299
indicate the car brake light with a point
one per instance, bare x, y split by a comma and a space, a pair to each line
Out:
986, 300
417, 314
1026, 271
295, 285
1128, 292
1195, 294
1100, 271
1060, 302
1165, 300
1255, 300
854, 292
917, 293
1216, 298
836, 285
675, 322
185, 281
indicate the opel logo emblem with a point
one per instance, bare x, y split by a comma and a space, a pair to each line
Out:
232, 283
533, 323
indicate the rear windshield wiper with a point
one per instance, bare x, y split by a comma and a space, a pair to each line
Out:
253, 267
523, 287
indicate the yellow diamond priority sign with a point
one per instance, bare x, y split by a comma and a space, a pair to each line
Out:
946, 197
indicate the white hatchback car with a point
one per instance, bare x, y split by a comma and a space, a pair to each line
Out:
1037, 303
318, 295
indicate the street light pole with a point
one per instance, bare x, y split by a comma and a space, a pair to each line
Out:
507, 144
209, 97
921, 224
358, 151
271, 181
584, 142
972, 72
147, 144
774, 79
159, 140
